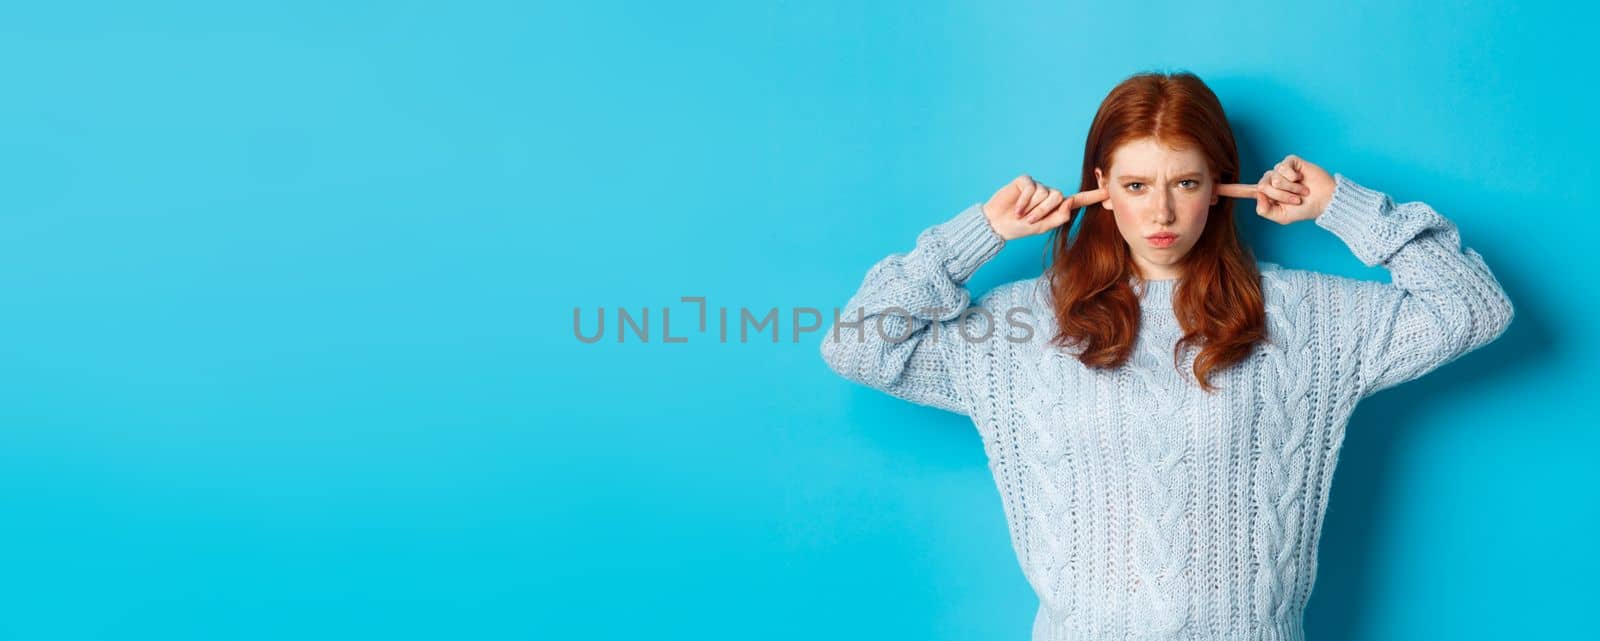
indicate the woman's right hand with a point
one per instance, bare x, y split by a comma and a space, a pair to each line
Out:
1025, 207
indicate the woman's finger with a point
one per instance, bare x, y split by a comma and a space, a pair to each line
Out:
1236, 190
1280, 195
1295, 164
1042, 205
1288, 170
1281, 182
1290, 179
1263, 203
1061, 215
1051, 201
1086, 198
1039, 194
1024, 196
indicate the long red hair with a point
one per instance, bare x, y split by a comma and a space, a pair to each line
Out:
1218, 300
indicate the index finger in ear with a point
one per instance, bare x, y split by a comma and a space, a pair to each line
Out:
1086, 198
1237, 190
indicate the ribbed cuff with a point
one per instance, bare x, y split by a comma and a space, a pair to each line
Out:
1356, 215
1047, 628
969, 242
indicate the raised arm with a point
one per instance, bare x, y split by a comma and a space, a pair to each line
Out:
898, 332
1442, 302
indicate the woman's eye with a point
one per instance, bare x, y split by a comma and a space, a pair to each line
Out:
1134, 186
1190, 184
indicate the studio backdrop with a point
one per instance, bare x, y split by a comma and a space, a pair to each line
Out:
299, 305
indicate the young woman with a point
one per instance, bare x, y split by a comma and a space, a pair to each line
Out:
1162, 413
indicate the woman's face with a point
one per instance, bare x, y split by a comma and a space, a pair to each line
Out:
1152, 190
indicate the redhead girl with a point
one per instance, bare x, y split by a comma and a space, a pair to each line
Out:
1162, 412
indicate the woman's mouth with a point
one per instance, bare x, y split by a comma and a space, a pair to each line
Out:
1162, 240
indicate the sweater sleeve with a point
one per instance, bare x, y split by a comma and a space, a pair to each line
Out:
899, 331
1442, 302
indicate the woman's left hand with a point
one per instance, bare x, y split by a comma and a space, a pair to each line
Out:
1294, 190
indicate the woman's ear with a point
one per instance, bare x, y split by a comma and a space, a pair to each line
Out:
1100, 181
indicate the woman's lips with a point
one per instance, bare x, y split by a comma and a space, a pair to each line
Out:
1161, 240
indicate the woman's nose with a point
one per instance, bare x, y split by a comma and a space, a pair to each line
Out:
1163, 208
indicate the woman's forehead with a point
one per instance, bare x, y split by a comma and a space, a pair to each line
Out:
1147, 157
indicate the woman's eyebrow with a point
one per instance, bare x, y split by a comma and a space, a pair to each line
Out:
1192, 174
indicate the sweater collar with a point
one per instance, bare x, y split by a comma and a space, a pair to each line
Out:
1155, 289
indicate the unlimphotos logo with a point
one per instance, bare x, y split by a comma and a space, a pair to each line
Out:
891, 324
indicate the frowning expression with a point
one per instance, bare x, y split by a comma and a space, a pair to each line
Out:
1161, 197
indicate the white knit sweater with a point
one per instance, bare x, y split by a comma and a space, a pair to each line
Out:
1139, 506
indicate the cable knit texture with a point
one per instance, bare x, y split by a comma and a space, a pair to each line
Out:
1139, 506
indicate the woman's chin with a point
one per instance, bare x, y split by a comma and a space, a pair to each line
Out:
1164, 259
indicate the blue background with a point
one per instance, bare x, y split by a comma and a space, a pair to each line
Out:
287, 293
